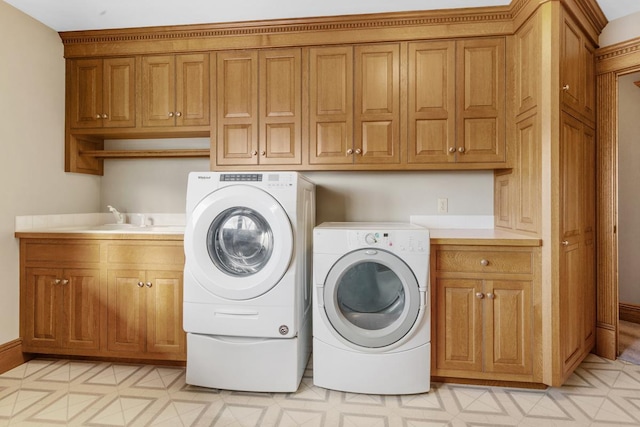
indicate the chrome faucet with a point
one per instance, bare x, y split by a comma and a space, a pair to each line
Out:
119, 216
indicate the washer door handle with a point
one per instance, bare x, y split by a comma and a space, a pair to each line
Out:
370, 252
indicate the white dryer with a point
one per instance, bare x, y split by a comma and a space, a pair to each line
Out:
247, 278
371, 328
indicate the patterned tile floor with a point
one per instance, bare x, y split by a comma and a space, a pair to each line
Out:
47, 392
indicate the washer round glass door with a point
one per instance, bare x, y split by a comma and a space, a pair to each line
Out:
238, 242
371, 298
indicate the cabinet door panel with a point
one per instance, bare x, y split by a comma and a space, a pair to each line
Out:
459, 324
85, 92
431, 115
508, 327
481, 100
529, 165
158, 91
43, 299
82, 308
164, 312
330, 105
119, 92
125, 319
280, 106
571, 65
237, 112
192, 90
377, 104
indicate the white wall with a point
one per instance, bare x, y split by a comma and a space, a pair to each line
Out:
159, 185
32, 177
628, 193
621, 29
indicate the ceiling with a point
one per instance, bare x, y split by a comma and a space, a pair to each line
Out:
71, 15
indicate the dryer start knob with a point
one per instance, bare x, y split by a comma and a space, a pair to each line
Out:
283, 329
370, 238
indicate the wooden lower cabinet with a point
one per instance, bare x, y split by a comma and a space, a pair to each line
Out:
146, 312
483, 313
61, 308
103, 298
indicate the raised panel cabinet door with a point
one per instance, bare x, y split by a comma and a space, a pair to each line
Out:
280, 107
571, 260
192, 90
508, 316
119, 101
377, 104
528, 65
571, 65
42, 308
81, 308
458, 325
158, 91
528, 198
126, 320
237, 108
85, 93
432, 103
481, 114
331, 105
164, 312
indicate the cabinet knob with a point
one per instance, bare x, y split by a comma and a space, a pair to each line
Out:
565, 243
350, 151
491, 295
263, 153
149, 284
565, 88
65, 281
479, 295
452, 149
56, 281
105, 116
254, 153
178, 114
170, 114
140, 284
98, 116
484, 262
358, 151
461, 150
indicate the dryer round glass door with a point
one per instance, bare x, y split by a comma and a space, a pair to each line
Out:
238, 242
371, 298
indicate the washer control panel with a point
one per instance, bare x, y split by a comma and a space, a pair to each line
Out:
394, 240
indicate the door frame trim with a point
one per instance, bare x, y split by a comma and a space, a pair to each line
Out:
611, 62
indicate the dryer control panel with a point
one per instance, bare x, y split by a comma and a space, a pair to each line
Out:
392, 240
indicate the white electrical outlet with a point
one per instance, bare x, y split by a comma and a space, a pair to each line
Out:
443, 205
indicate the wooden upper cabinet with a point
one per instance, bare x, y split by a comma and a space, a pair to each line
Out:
175, 90
280, 109
456, 101
577, 70
432, 103
330, 105
101, 93
259, 107
377, 104
237, 108
481, 119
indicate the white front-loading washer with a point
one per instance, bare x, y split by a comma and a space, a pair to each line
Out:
371, 327
247, 278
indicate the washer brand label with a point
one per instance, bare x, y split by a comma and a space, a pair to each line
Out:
204, 177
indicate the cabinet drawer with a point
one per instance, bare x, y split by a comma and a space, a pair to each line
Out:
484, 261
63, 252
145, 254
